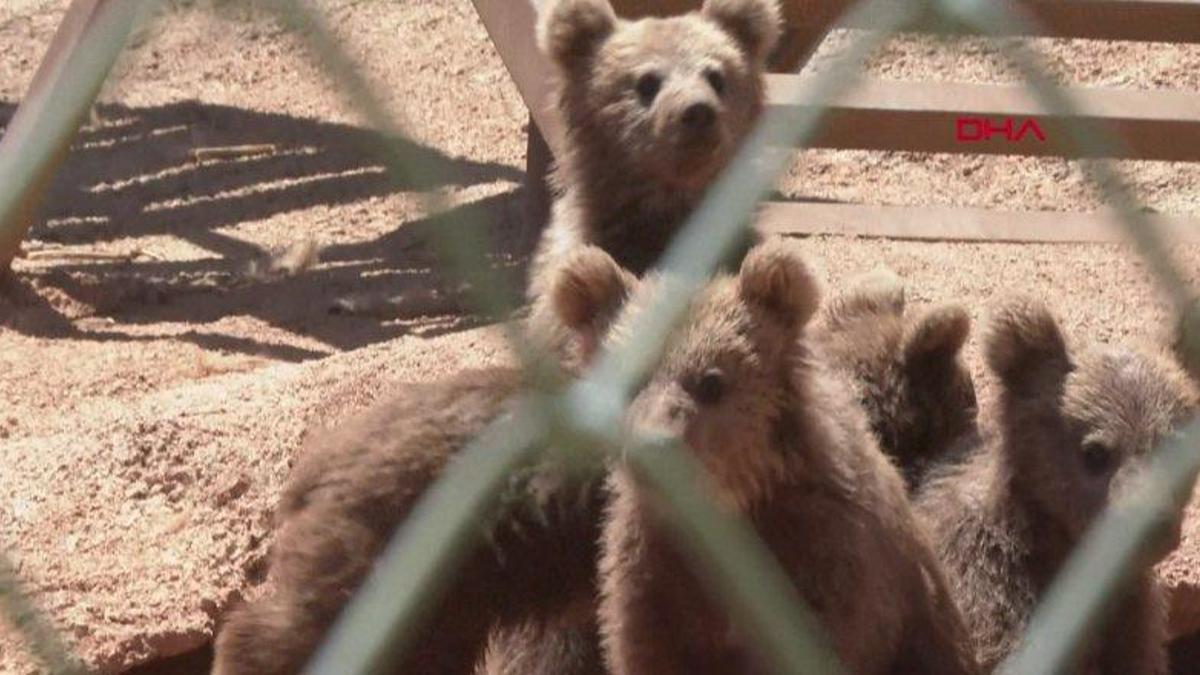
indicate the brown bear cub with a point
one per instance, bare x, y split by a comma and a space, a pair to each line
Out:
1073, 430
354, 484
653, 110
905, 369
788, 448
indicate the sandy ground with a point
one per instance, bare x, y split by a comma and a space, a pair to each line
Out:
155, 380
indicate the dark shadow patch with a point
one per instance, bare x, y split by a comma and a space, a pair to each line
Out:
198, 661
136, 173
1185, 655
142, 171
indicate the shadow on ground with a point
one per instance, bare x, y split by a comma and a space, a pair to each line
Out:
196, 662
190, 170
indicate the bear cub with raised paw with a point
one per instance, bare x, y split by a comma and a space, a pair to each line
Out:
1074, 428
653, 110
906, 369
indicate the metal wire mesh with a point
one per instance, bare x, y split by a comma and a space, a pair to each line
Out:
729, 555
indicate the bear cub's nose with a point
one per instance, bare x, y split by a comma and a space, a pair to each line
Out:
699, 116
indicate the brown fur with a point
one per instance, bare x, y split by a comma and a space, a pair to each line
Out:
906, 370
353, 485
789, 449
554, 648
635, 162
1073, 430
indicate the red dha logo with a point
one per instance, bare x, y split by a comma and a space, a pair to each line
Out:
974, 129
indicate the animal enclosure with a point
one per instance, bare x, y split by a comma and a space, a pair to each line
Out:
828, 109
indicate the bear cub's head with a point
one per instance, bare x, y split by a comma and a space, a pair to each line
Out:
1079, 424
666, 99
726, 372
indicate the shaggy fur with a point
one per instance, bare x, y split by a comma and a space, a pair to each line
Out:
560, 647
906, 370
653, 110
789, 450
353, 485
1073, 431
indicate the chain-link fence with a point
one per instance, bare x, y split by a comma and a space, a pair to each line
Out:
584, 417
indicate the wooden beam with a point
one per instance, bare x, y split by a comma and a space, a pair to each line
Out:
944, 223
512, 26
924, 117
1133, 20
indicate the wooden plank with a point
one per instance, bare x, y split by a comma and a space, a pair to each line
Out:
944, 223
512, 26
1132, 20
924, 117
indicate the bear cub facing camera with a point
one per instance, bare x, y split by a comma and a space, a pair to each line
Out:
653, 110
1073, 431
788, 448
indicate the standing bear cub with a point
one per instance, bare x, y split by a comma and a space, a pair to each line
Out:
789, 449
653, 110
1073, 431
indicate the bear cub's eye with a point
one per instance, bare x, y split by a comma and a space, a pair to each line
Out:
710, 387
715, 80
647, 87
1097, 458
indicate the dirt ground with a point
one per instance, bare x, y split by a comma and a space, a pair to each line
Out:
164, 346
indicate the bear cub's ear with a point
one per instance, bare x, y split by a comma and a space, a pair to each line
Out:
879, 293
570, 31
588, 291
755, 24
1025, 346
775, 278
938, 335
